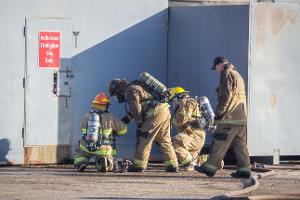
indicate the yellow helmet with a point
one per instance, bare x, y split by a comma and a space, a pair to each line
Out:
175, 91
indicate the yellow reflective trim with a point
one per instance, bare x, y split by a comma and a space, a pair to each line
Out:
121, 132
105, 131
196, 113
173, 163
80, 159
244, 169
99, 152
188, 159
84, 131
231, 122
165, 105
210, 168
140, 163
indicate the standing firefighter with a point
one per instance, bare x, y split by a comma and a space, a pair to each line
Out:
99, 128
190, 135
231, 118
152, 118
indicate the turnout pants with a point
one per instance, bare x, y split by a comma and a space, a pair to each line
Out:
187, 145
155, 129
83, 155
223, 138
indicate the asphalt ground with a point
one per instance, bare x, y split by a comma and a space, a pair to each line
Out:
63, 182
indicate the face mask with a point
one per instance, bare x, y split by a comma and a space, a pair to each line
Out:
175, 102
119, 98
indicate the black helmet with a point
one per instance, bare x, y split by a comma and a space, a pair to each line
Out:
218, 60
113, 86
117, 88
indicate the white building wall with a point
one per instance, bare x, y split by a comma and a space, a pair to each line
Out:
116, 38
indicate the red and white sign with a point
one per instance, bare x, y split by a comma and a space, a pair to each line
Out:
49, 49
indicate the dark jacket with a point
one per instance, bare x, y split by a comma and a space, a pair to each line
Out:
231, 95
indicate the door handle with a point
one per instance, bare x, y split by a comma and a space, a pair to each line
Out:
55, 76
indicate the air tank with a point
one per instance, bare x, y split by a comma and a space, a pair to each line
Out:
155, 87
206, 108
93, 127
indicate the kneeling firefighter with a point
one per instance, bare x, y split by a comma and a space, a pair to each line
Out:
149, 109
190, 136
99, 128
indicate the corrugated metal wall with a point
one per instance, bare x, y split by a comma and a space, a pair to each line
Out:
197, 34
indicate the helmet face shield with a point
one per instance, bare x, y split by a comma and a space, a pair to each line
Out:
100, 107
101, 101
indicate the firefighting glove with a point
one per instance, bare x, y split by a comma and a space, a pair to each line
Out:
91, 146
126, 119
218, 117
197, 123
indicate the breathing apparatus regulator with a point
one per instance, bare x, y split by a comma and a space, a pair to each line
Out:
158, 90
207, 114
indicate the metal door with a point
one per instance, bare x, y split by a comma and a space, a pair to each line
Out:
274, 78
197, 34
47, 93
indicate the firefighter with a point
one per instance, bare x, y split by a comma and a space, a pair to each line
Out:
153, 123
99, 128
231, 118
190, 136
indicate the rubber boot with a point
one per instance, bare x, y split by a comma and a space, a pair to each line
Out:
171, 168
81, 163
203, 171
133, 168
81, 167
241, 174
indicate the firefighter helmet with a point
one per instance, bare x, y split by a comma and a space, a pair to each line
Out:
117, 88
177, 91
101, 99
113, 85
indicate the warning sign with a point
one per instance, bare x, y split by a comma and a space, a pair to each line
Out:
49, 49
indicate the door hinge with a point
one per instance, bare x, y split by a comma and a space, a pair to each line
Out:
23, 82
23, 132
24, 31
265, 1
